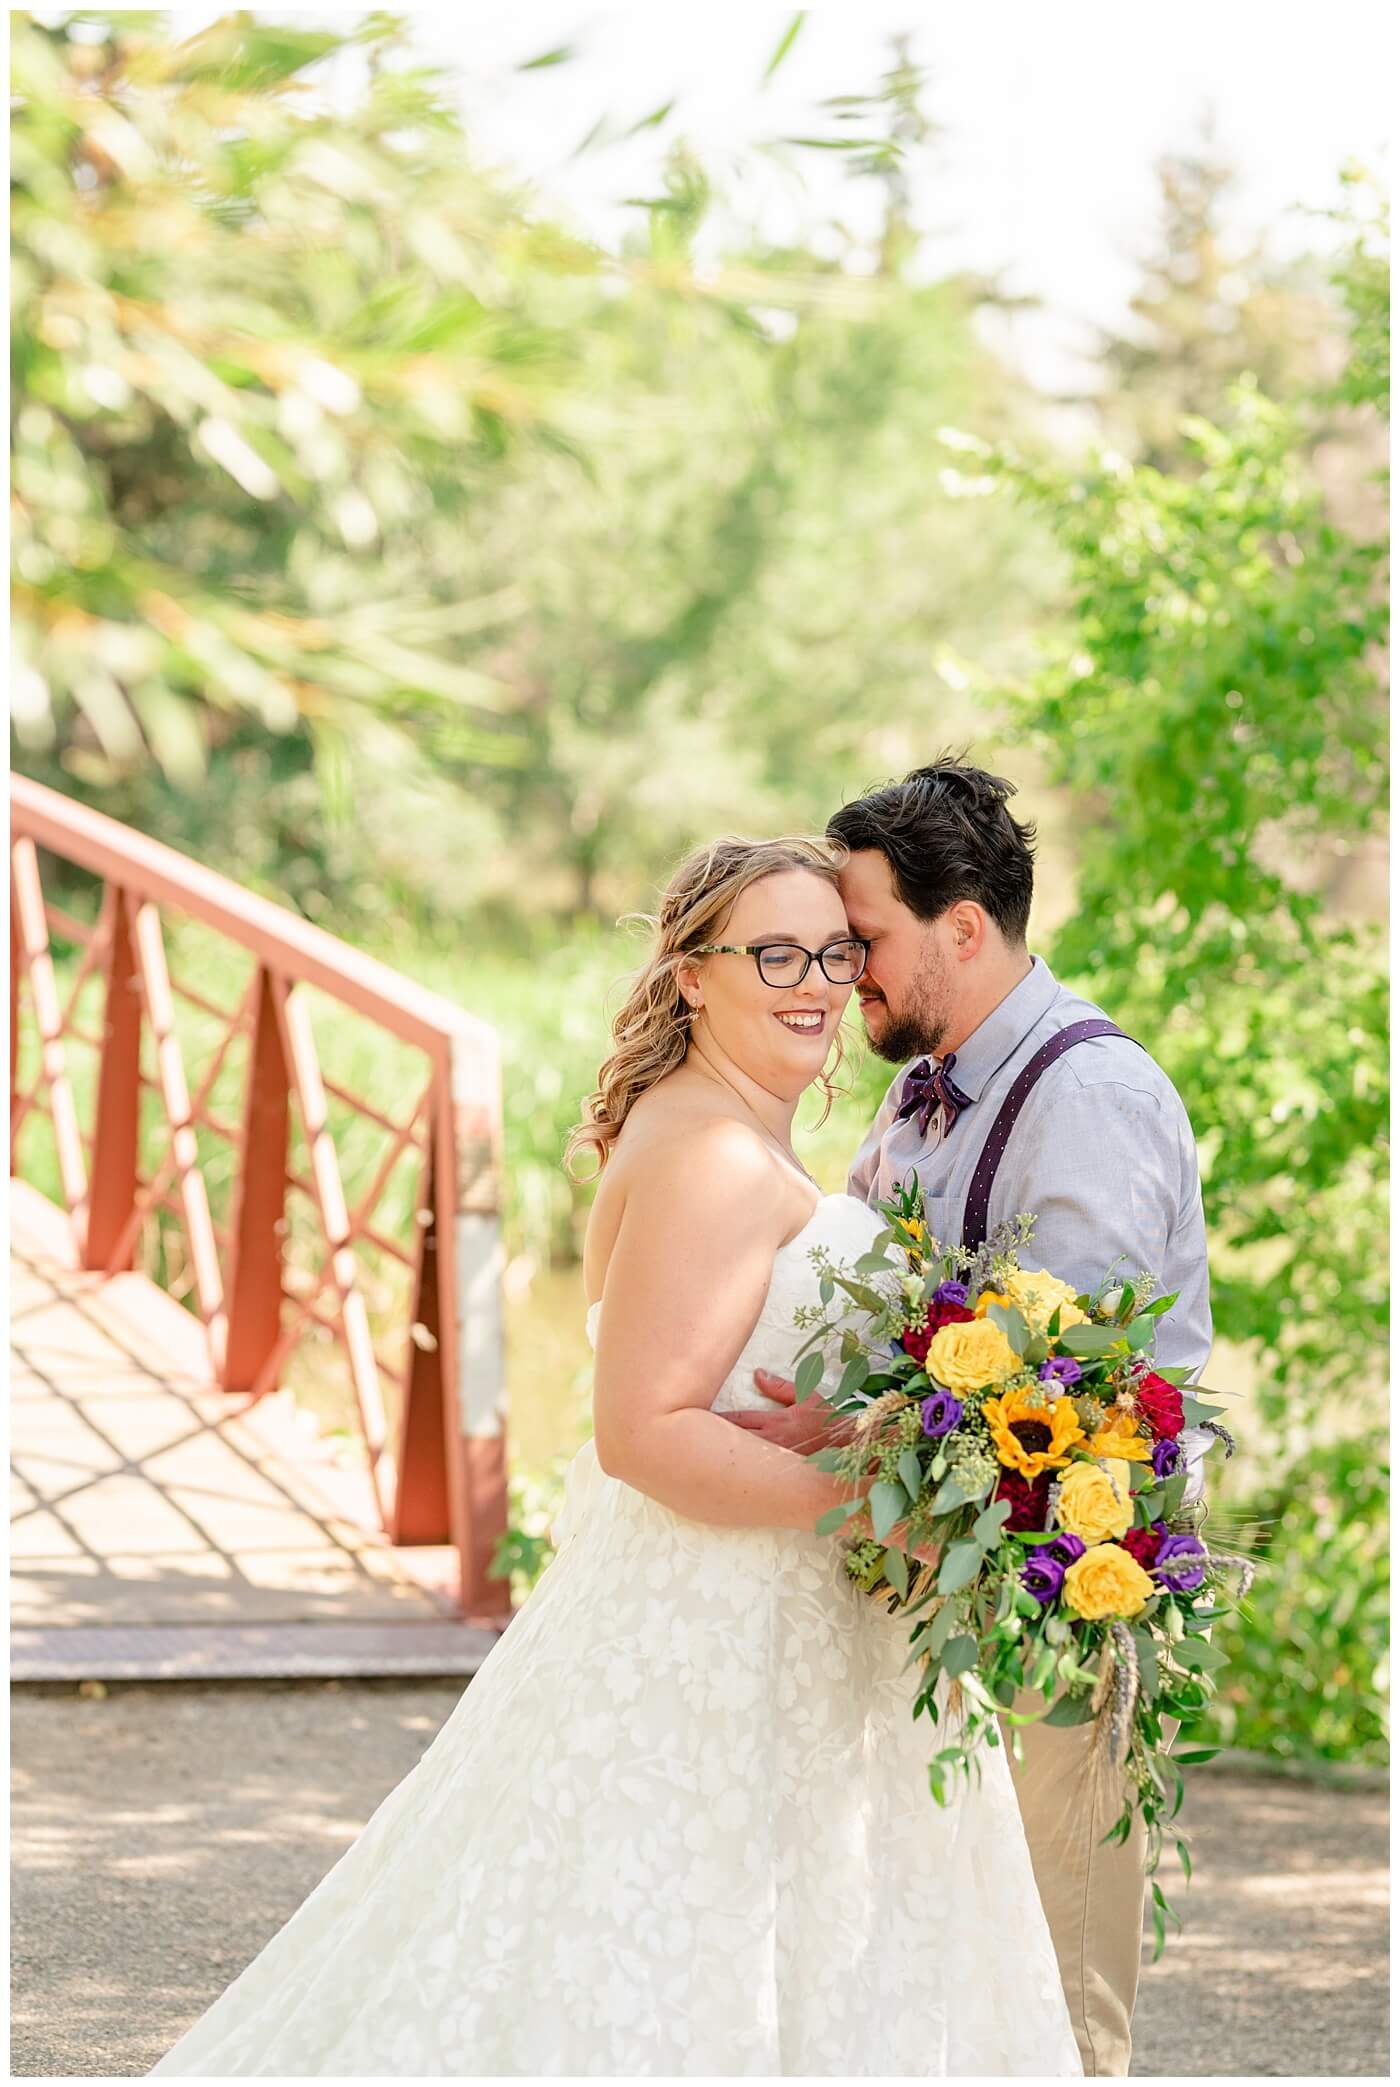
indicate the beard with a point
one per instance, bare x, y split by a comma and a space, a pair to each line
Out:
918, 1028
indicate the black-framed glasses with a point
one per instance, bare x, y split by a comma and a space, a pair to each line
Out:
787, 963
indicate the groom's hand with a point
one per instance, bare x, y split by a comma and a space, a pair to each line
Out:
805, 1427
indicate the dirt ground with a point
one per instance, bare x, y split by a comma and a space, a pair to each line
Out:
161, 1835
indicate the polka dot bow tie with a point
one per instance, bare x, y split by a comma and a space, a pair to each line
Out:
929, 1091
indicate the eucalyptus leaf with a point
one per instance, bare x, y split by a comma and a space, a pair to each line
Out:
1069, 1710
853, 1376
1090, 1340
897, 1572
1012, 1323
911, 1473
887, 1504
987, 1528
836, 1517
939, 1629
809, 1375
960, 1565
950, 1495
1199, 1652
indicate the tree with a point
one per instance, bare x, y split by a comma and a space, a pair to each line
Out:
1217, 708
260, 350
1211, 307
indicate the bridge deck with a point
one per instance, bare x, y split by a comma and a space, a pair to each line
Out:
163, 1530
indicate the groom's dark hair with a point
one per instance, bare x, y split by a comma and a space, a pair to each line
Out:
947, 835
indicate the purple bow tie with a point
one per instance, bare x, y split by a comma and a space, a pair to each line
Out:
927, 1089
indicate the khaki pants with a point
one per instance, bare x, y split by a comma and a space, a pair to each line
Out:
1093, 1895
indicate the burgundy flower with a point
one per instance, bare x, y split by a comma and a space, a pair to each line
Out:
1144, 1544
942, 1311
1160, 1405
1029, 1497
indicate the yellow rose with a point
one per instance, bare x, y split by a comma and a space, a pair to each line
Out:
1031, 1439
1036, 1293
1121, 1438
967, 1356
1106, 1581
1094, 1501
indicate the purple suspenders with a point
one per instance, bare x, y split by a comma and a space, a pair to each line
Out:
979, 1195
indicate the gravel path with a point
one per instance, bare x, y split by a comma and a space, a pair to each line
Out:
160, 1836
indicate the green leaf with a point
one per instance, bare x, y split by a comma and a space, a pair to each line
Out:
951, 1494
1199, 1652
897, 1572
1159, 1305
1197, 1410
1183, 1854
960, 1654
1069, 1710
988, 1526
960, 1564
835, 1517
1195, 1755
785, 43
1090, 1340
939, 1629
911, 1472
872, 1264
1012, 1323
887, 1504
853, 1376
809, 1375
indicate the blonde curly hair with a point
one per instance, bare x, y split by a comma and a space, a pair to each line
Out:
651, 1031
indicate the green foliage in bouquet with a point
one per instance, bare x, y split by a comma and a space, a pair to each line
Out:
1019, 1491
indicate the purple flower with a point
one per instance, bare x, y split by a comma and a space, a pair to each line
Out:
1061, 1369
1066, 1548
1181, 1563
1043, 1576
940, 1413
1166, 1458
950, 1293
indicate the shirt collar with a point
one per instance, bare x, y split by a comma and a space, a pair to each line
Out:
1009, 1023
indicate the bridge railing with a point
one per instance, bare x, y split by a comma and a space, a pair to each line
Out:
400, 1278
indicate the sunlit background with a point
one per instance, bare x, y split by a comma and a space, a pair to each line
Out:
462, 459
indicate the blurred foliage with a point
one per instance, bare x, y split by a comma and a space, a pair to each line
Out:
259, 350
1308, 1672
1208, 306
1217, 705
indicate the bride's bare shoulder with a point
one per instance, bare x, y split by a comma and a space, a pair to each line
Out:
687, 1159
687, 1141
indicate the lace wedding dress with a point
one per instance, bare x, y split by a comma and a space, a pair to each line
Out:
678, 1824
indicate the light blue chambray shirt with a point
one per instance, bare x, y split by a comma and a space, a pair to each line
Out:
1102, 1152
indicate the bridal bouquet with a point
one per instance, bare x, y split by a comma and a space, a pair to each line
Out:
1018, 1429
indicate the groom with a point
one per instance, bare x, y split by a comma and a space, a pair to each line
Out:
1024, 1097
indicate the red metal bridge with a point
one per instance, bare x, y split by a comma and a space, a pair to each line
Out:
258, 1406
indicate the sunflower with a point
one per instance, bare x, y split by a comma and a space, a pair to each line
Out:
1032, 1438
1120, 1436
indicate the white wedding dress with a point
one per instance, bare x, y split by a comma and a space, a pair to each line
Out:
679, 1824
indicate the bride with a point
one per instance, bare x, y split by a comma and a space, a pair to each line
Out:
680, 1824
